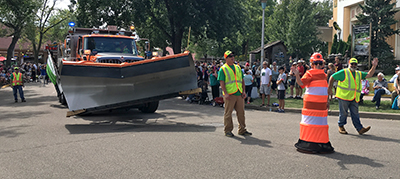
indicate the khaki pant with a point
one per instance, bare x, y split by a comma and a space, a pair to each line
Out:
237, 103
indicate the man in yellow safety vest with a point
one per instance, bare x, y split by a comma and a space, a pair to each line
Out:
348, 93
17, 84
230, 77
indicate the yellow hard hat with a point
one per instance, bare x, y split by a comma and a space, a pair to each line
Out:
227, 53
353, 60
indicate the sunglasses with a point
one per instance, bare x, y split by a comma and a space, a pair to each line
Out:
318, 62
353, 64
230, 56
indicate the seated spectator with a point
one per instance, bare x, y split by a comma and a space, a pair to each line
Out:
364, 89
396, 74
379, 86
396, 91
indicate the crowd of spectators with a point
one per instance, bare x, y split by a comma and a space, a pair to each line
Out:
207, 72
31, 72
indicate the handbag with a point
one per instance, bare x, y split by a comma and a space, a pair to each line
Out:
396, 103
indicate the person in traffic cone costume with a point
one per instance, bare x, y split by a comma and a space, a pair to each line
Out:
314, 137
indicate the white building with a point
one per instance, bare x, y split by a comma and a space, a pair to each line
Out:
344, 14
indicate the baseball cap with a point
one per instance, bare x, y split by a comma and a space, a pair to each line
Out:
16, 68
353, 60
397, 69
227, 53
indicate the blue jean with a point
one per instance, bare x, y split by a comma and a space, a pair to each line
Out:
21, 93
344, 106
377, 96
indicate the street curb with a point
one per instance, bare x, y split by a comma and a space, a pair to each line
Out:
387, 116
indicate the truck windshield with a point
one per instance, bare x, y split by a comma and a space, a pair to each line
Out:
110, 45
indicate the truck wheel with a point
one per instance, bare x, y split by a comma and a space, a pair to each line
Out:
62, 99
150, 107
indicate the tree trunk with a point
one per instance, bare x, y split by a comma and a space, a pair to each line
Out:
10, 50
37, 49
177, 43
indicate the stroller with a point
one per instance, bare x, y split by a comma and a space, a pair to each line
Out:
202, 97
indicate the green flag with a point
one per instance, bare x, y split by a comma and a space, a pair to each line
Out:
50, 70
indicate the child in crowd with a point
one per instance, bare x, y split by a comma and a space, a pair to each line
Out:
364, 89
281, 89
248, 81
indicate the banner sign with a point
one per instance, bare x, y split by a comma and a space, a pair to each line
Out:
361, 40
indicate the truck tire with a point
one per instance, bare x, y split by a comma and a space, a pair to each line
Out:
150, 107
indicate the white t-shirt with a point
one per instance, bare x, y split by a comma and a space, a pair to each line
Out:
281, 86
265, 76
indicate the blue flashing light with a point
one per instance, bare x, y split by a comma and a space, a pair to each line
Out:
71, 24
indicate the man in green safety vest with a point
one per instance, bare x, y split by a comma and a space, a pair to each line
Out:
348, 93
17, 84
230, 77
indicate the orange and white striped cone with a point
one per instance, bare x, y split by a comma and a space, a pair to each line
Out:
314, 136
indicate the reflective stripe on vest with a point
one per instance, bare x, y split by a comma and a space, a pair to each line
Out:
233, 80
314, 121
17, 79
350, 88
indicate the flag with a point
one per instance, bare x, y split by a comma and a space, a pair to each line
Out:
50, 70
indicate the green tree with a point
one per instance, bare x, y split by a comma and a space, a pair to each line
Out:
322, 12
293, 23
15, 14
380, 13
60, 30
278, 22
167, 21
40, 25
302, 32
334, 45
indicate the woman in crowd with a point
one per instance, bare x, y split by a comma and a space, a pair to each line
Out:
379, 86
275, 74
214, 84
331, 70
248, 82
364, 90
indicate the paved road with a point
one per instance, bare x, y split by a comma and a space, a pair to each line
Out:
180, 140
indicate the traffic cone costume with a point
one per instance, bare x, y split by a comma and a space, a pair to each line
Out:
314, 137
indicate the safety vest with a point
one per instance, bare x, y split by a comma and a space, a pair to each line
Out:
314, 123
17, 79
233, 80
350, 88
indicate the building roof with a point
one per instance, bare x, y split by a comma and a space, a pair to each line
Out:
269, 45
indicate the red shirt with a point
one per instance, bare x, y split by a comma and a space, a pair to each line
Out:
301, 70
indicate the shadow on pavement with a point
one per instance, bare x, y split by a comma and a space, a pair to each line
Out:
112, 127
20, 115
345, 159
132, 121
249, 140
376, 138
12, 131
32, 99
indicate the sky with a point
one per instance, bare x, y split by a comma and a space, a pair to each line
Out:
63, 4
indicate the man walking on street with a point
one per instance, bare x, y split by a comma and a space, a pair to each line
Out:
232, 84
17, 84
348, 93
